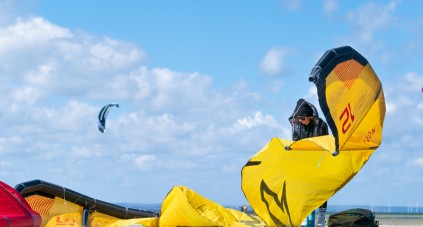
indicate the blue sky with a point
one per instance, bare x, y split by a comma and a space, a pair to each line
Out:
202, 86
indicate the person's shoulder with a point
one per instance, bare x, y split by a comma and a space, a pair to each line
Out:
322, 122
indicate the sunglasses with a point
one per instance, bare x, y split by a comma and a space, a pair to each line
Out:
300, 118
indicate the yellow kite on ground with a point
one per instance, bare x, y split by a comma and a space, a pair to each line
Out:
184, 207
59, 206
286, 180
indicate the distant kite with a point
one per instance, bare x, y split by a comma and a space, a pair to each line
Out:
103, 115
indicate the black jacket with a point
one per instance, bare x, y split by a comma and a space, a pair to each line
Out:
316, 127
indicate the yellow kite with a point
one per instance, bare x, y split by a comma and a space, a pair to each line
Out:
59, 206
286, 180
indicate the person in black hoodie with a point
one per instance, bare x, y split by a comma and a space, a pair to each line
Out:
306, 123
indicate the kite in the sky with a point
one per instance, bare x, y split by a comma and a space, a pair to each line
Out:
286, 180
103, 115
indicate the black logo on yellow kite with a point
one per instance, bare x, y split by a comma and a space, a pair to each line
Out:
254, 221
253, 163
268, 196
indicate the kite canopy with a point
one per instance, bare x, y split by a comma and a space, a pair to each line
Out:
351, 97
102, 116
286, 180
60, 206
184, 207
14, 210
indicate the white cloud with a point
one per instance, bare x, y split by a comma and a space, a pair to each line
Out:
26, 95
417, 162
42, 75
113, 53
312, 95
5, 164
403, 93
144, 162
54, 59
179, 164
26, 33
257, 120
372, 18
391, 107
330, 6
272, 63
413, 82
402, 121
72, 116
83, 152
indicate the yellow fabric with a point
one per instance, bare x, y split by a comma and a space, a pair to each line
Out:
184, 207
286, 180
40, 204
59, 207
244, 219
97, 219
309, 175
73, 219
358, 118
58, 212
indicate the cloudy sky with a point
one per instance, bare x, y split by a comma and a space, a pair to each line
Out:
202, 86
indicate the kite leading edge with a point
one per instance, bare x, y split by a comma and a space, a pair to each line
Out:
348, 89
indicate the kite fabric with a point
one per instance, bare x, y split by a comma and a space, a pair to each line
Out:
287, 180
14, 210
102, 116
184, 207
57, 206
60, 206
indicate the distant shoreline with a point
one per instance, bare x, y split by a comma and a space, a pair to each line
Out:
331, 208
374, 209
387, 216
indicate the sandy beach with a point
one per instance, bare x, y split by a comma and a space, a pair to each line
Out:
400, 219
403, 220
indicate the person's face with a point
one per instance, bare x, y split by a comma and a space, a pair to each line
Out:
304, 120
